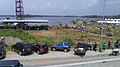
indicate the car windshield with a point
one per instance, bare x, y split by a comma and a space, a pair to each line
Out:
0, 50
66, 44
26, 45
44, 46
80, 45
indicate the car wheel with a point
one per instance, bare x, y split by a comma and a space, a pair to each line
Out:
65, 50
83, 53
53, 49
75, 53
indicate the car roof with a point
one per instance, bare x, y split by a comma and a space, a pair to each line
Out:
82, 43
22, 43
9, 62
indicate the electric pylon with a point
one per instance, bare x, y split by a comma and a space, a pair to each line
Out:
19, 10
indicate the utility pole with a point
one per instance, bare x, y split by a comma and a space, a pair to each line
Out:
103, 18
19, 9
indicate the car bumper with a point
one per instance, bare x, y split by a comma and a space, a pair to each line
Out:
26, 52
80, 52
1, 56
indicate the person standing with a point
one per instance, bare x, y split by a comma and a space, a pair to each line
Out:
103, 46
95, 47
3, 40
115, 45
109, 44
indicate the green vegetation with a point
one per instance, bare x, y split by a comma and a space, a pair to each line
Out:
77, 21
67, 38
72, 36
98, 16
46, 39
17, 34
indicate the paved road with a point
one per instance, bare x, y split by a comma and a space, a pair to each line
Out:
52, 58
70, 62
115, 62
56, 54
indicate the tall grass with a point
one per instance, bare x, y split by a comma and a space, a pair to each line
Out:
46, 39
68, 38
18, 33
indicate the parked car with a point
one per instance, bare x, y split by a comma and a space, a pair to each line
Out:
22, 48
80, 48
89, 45
10, 63
61, 46
2, 52
40, 48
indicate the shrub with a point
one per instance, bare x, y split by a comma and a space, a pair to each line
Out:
48, 40
68, 39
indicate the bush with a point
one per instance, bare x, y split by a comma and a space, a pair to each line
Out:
19, 33
68, 39
48, 40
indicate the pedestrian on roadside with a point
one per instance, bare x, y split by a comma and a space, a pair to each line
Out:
2, 40
115, 45
95, 47
109, 44
103, 46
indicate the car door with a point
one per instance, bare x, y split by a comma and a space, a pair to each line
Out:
60, 46
36, 48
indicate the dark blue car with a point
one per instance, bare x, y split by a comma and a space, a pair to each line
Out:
61, 46
10, 63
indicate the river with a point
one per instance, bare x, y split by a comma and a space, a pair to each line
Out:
55, 20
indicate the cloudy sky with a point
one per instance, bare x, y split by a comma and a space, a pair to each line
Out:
62, 7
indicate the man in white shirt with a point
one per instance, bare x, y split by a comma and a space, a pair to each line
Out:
115, 51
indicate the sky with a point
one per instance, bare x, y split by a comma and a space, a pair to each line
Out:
62, 7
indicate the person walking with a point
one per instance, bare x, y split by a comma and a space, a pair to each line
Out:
115, 45
103, 46
109, 44
95, 47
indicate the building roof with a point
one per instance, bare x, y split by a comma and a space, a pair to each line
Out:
24, 21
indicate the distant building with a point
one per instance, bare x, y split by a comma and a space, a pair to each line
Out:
110, 21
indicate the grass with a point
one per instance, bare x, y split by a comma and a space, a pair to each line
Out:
72, 36
18, 33
75, 36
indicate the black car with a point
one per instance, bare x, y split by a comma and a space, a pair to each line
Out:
80, 48
40, 48
10, 63
22, 48
2, 51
